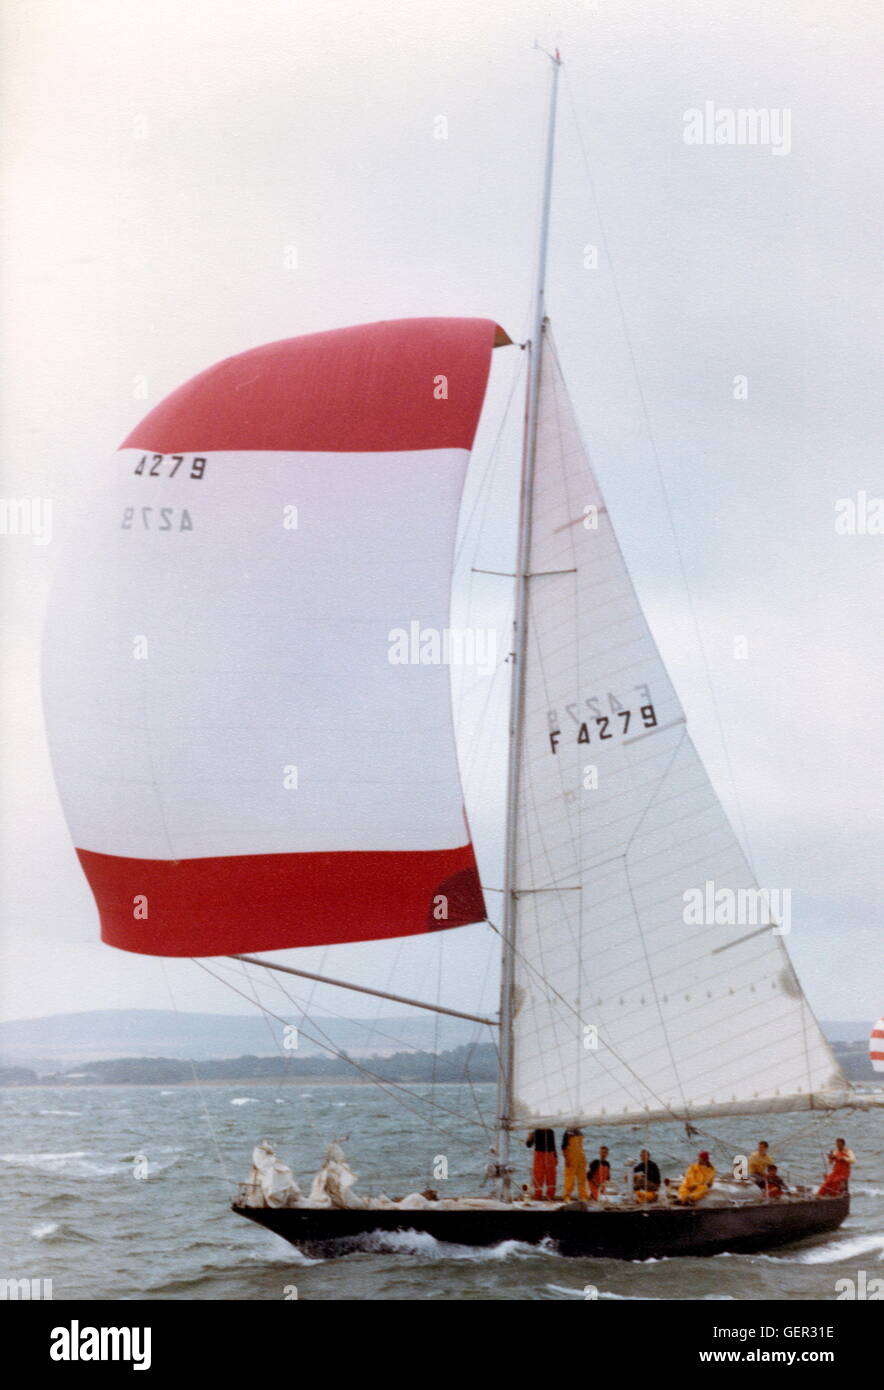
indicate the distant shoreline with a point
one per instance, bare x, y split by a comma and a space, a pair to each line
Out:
303, 1083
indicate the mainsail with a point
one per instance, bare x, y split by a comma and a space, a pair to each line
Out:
245, 759
626, 1009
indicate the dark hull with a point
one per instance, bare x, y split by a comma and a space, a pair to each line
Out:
609, 1233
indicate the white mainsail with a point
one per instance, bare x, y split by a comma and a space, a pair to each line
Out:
624, 1011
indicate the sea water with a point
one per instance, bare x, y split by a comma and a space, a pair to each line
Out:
123, 1192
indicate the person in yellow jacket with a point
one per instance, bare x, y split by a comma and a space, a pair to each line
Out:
575, 1164
759, 1162
697, 1180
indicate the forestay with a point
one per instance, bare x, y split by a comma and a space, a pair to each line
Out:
625, 1011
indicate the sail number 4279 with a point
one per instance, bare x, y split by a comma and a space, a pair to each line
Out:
597, 727
167, 465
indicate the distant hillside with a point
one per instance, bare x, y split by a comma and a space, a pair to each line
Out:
472, 1063
60, 1041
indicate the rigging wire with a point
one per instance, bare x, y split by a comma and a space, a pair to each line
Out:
322, 1135
568, 1005
575, 849
427, 1100
370, 1025
225, 1176
660, 475
299, 1004
694, 1128
390, 1087
488, 475
302, 1009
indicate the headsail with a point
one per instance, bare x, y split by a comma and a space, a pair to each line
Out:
624, 1011
244, 762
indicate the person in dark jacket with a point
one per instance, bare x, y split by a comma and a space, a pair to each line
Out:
774, 1185
599, 1173
645, 1178
543, 1142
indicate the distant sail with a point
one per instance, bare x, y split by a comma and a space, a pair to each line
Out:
242, 764
625, 1011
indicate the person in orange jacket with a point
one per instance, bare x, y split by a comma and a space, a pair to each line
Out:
842, 1160
543, 1142
575, 1164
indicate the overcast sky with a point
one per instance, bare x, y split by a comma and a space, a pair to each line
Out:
160, 158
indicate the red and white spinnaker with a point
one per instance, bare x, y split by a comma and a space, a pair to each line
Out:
241, 764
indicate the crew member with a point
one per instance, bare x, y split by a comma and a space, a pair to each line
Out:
575, 1164
697, 1180
543, 1142
836, 1182
774, 1185
599, 1173
759, 1162
645, 1178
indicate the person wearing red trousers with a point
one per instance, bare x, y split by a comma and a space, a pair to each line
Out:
543, 1142
836, 1183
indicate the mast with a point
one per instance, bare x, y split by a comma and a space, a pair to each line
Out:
517, 673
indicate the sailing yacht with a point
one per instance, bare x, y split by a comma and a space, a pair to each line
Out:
244, 769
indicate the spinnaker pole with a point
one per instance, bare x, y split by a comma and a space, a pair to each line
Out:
365, 989
517, 673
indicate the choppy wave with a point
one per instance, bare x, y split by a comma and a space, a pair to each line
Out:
293, 1257
174, 1236
62, 1163
833, 1252
57, 1231
60, 1112
233, 1265
843, 1250
81, 1163
428, 1247
600, 1294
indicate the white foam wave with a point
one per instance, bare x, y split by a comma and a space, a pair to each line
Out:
59, 1112
39, 1159
244, 1100
609, 1295
423, 1244
844, 1250
567, 1293
292, 1257
833, 1252
78, 1163
44, 1230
